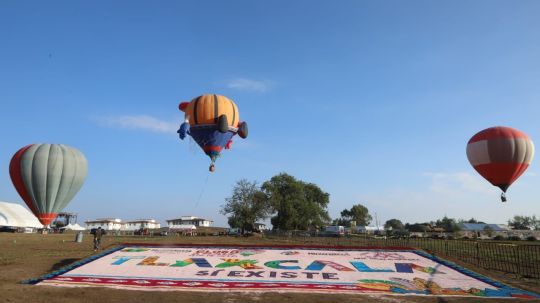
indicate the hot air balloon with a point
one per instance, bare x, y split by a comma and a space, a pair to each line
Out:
47, 177
212, 121
500, 154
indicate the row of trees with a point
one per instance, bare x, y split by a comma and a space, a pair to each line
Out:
525, 222
291, 204
359, 214
447, 224
453, 225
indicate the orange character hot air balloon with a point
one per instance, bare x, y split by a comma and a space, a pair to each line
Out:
500, 154
212, 121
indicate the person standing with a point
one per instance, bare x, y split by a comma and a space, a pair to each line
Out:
98, 233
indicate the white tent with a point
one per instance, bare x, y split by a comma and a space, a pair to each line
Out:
75, 226
15, 215
369, 229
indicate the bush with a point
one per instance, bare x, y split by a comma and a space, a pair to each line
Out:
465, 238
514, 238
531, 238
498, 238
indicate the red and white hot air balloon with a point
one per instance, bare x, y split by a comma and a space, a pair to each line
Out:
500, 154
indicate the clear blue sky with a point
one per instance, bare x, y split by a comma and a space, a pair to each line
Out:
374, 101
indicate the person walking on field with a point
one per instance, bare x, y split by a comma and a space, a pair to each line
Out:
98, 233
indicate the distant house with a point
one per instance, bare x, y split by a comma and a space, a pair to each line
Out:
426, 230
474, 230
189, 220
105, 223
436, 230
482, 227
141, 223
184, 230
260, 226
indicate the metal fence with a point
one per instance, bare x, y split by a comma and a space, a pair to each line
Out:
521, 259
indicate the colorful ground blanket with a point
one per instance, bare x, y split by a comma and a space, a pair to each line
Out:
278, 268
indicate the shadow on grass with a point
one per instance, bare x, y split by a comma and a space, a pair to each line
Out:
63, 263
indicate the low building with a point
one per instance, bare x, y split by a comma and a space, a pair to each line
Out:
105, 223
522, 233
260, 226
16, 216
184, 230
479, 230
189, 220
141, 224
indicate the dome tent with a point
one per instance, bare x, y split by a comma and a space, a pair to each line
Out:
16, 215
75, 227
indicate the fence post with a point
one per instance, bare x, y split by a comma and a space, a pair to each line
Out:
446, 247
518, 261
477, 253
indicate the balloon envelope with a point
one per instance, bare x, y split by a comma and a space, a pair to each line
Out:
500, 154
47, 177
204, 114
206, 109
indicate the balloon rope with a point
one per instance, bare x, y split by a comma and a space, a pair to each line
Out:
202, 190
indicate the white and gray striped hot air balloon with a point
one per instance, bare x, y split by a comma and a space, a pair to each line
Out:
47, 177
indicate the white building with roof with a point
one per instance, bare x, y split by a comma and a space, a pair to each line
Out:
16, 215
105, 223
260, 226
141, 223
189, 220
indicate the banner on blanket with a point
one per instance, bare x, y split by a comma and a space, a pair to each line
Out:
280, 269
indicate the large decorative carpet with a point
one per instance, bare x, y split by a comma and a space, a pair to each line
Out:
279, 269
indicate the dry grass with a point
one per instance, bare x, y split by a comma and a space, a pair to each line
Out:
25, 256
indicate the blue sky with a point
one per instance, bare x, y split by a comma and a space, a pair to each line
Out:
374, 101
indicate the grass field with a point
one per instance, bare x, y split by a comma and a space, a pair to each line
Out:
25, 256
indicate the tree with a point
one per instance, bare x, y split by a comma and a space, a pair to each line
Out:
340, 222
314, 213
488, 230
524, 222
358, 213
417, 227
296, 204
394, 224
448, 224
535, 223
471, 220
246, 206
